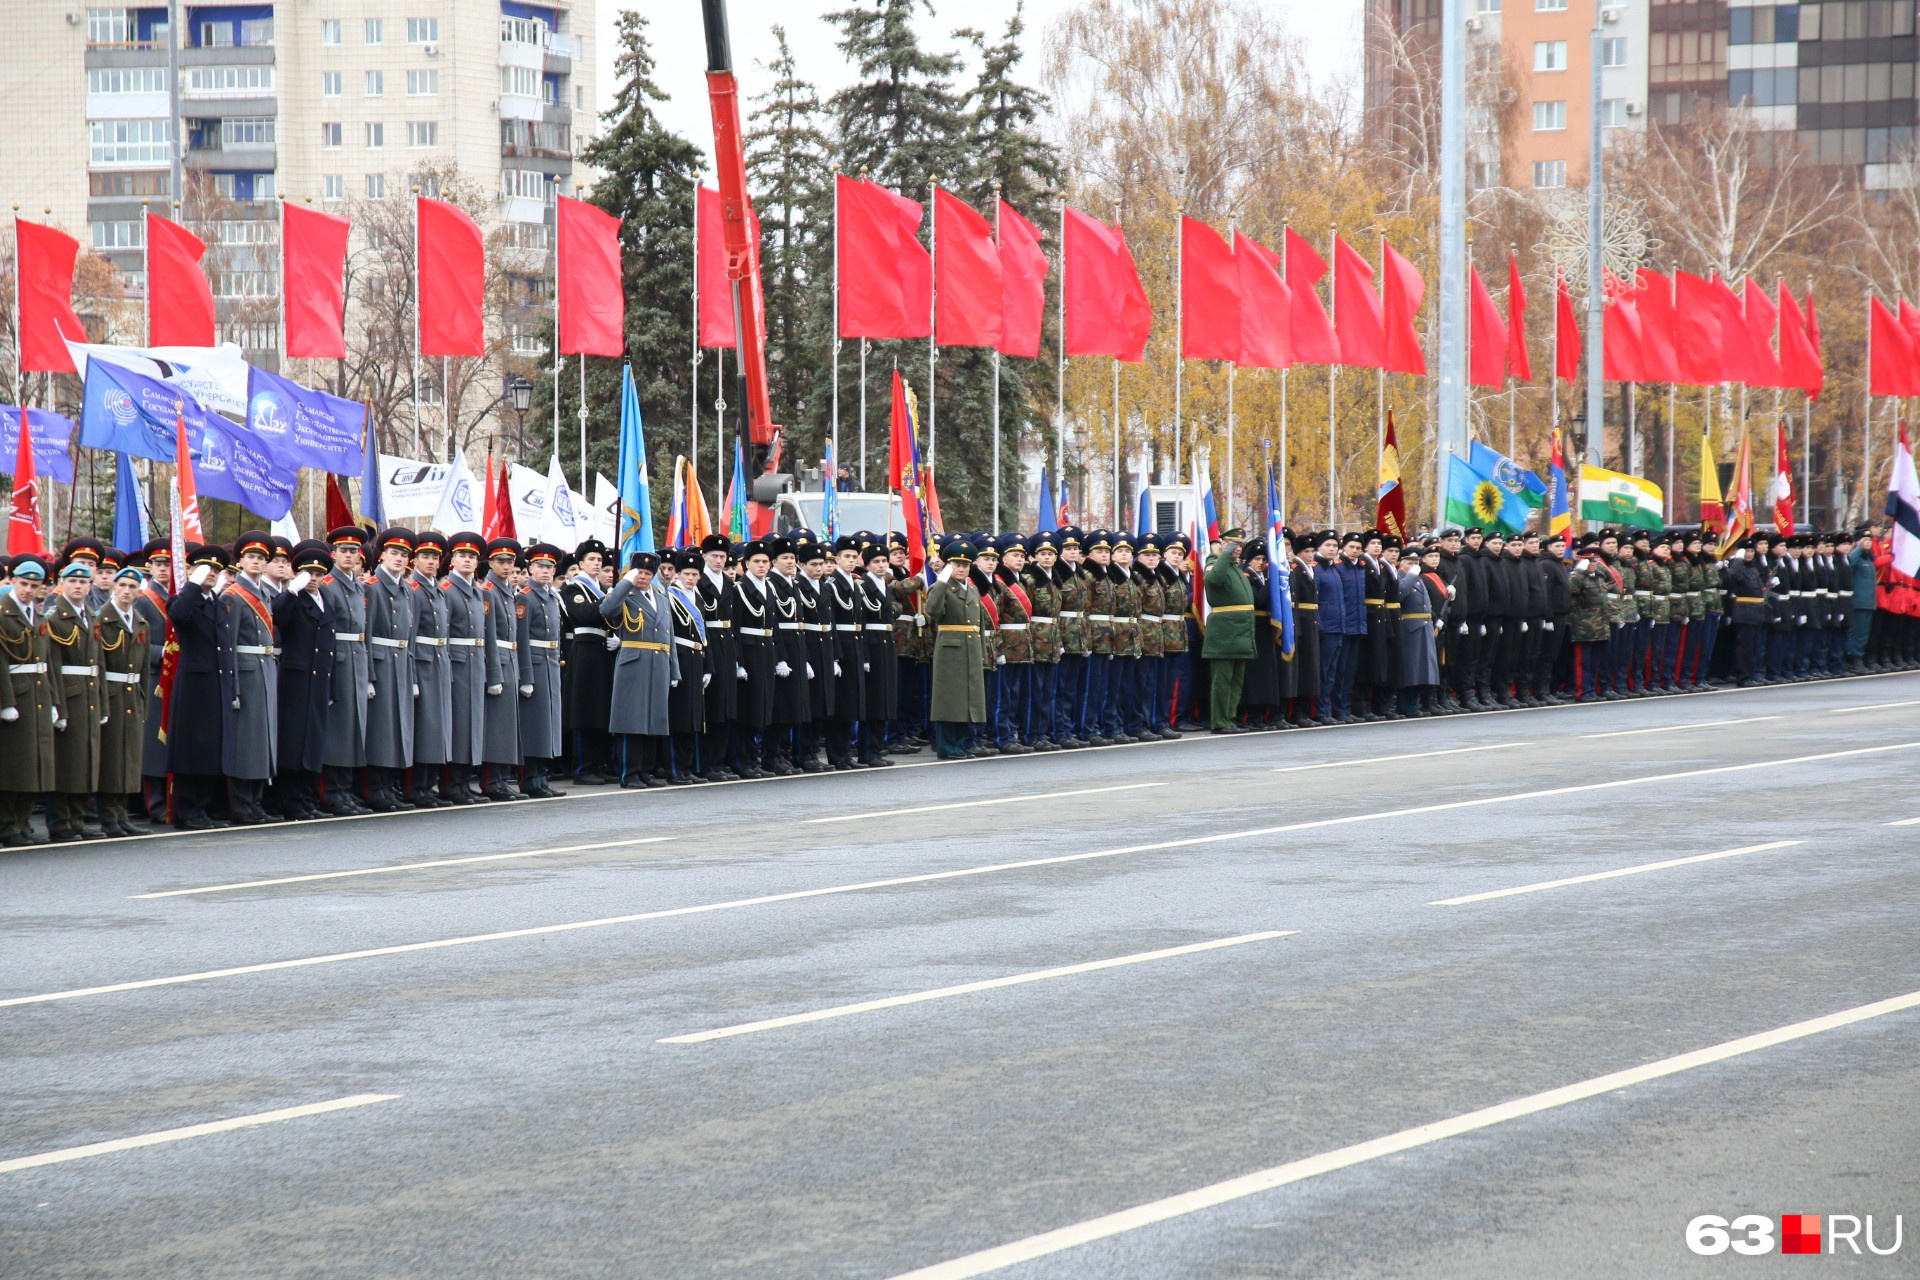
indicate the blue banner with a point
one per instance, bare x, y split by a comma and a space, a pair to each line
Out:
129, 412
305, 428
230, 464
52, 442
129, 506
635, 526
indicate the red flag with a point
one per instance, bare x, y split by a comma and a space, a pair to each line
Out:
1621, 352
313, 247
489, 497
1696, 330
1107, 309
1023, 284
1487, 343
1739, 360
1739, 503
933, 500
1890, 350
903, 477
1799, 346
1761, 316
1653, 299
179, 298
499, 502
1519, 363
1266, 306
1910, 321
183, 480
591, 296
23, 523
885, 280
967, 282
1357, 316
1314, 341
453, 268
339, 510
44, 260
1782, 483
1400, 302
1566, 332
1209, 294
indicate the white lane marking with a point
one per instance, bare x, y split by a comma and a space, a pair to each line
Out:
974, 804
1611, 875
932, 876
1675, 728
1872, 706
1113, 1224
1412, 755
968, 988
403, 866
1905, 822
192, 1131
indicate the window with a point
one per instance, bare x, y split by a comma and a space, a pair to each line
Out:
1486, 6
426, 184
423, 133
331, 135
579, 97
333, 187
1549, 174
256, 33
523, 184
1548, 116
243, 284
236, 82
376, 186
130, 235
329, 31
107, 26
128, 80
241, 230
521, 82
376, 135
551, 94
375, 31
1549, 6
216, 35
1613, 51
423, 84
1486, 175
526, 340
1549, 55
522, 31
423, 31
151, 183
1613, 113
246, 131
130, 141
330, 86
376, 84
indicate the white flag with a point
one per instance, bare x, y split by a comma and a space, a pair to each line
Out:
459, 509
606, 508
567, 524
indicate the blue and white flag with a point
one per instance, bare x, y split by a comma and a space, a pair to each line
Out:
461, 503
129, 507
52, 442
1279, 569
305, 428
569, 523
1513, 478
127, 412
230, 464
1049, 521
830, 498
373, 498
636, 498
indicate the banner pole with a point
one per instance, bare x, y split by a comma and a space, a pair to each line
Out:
1060, 369
693, 378
863, 417
417, 428
996, 387
933, 315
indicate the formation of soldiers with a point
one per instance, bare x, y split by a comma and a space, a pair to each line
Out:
378, 672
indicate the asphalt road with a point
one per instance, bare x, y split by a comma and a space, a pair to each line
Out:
516, 1113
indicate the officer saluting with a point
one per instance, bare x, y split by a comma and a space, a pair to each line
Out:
306, 682
249, 682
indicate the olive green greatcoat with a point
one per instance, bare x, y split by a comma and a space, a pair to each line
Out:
1230, 597
123, 653
955, 616
74, 657
26, 743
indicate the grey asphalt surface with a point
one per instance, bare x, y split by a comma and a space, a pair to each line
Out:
540, 1129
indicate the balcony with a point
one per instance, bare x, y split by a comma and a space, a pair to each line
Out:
226, 55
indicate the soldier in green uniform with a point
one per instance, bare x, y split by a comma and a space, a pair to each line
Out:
1176, 662
1666, 622
1123, 672
956, 617
120, 636
1070, 685
912, 643
1151, 695
76, 745
1228, 643
1014, 608
1043, 593
1098, 567
1594, 586
30, 701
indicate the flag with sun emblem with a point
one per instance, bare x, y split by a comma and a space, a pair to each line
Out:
1474, 497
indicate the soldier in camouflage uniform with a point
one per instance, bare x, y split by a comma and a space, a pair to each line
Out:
1016, 643
1043, 592
1155, 604
1686, 599
1596, 586
1123, 677
1099, 567
1656, 606
1075, 584
1182, 666
1625, 613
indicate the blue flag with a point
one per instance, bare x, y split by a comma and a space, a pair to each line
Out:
52, 441
1508, 474
1144, 524
305, 428
230, 464
1049, 511
129, 507
373, 499
1279, 569
830, 498
635, 526
1476, 499
128, 412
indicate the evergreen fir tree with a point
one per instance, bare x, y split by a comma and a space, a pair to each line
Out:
902, 121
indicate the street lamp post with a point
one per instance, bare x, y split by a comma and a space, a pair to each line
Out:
520, 396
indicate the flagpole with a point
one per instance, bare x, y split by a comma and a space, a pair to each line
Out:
1179, 317
693, 380
1555, 383
933, 315
1115, 498
1806, 430
560, 360
720, 424
1633, 430
146, 267
996, 384
1060, 369
1333, 370
1380, 377
1866, 419
1673, 299
417, 429
863, 416
1286, 230
835, 432
1226, 500
580, 361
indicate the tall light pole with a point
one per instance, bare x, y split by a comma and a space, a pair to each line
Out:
520, 396
1596, 327
1452, 406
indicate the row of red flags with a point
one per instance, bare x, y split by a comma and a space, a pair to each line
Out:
1893, 348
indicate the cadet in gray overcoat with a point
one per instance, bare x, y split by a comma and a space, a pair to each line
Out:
433, 708
473, 666
639, 611
249, 681
345, 597
390, 611
537, 613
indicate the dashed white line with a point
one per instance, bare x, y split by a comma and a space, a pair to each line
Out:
975, 804
1612, 875
1412, 755
403, 866
1675, 728
191, 1131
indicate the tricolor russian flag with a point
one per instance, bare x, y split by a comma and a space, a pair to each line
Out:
1903, 507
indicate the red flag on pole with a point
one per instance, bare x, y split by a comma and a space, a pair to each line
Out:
1209, 294
1519, 363
489, 498
1390, 510
179, 298
1910, 321
1400, 303
498, 514
903, 477
1023, 284
590, 292
1799, 348
1739, 360
1488, 344
1620, 322
1314, 341
453, 268
1107, 309
1762, 316
43, 259
339, 510
23, 522
1566, 332
183, 479
313, 247
885, 279
1653, 299
1357, 316
1782, 483
1266, 306
967, 285
1739, 504
1891, 366
1696, 330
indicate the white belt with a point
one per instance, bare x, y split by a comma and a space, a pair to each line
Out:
465, 642
590, 631
28, 668
1048, 621
348, 635
816, 626
68, 670
385, 643
1099, 617
124, 677
846, 626
1071, 613
1013, 626
544, 644
880, 626
685, 643
432, 642
1151, 617
509, 645
789, 626
259, 650
1643, 593
755, 631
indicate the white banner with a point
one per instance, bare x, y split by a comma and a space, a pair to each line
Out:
460, 504
413, 490
606, 510
215, 376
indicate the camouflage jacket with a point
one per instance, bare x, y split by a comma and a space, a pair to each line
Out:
1126, 613
1075, 595
1593, 593
1014, 634
910, 642
1046, 614
1153, 604
1099, 610
1656, 584
1174, 605
1626, 606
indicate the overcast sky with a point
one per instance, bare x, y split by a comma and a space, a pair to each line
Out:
1330, 27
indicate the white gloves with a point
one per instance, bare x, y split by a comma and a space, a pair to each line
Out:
9, 714
1523, 626
59, 724
493, 690
300, 581
706, 679
1000, 660
919, 619
416, 691
740, 671
526, 691
1452, 590
236, 706
1463, 628
1580, 566
201, 572
371, 691
809, 667
866, 666
105, 719
674, 683
1546, 626
836, 666
613, 642
782, 670
1483, 628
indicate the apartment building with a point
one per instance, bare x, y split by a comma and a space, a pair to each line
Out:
322, 100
